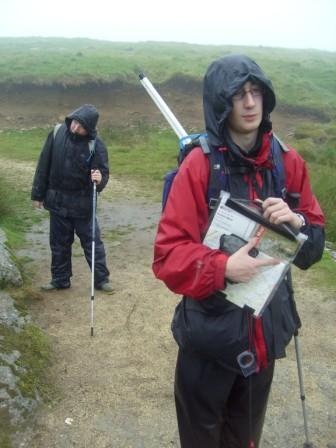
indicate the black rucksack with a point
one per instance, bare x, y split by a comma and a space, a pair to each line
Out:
218, 179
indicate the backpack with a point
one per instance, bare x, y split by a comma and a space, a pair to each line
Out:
92, 143
218, 179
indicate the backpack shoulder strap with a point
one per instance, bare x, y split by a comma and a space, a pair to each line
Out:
282, 145
219, 181
56, 129
186, 145
204, 144
278, 171
92, 147
92, 143
218, 178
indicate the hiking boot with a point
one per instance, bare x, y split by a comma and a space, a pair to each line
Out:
48, 287
52, 287
106, 287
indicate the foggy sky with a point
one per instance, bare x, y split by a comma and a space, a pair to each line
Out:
281, 23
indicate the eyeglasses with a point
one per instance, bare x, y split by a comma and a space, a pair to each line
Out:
255, 91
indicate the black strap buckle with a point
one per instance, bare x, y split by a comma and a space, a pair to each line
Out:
212, 203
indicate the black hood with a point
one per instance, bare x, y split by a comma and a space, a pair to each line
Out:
87, 115
222, 80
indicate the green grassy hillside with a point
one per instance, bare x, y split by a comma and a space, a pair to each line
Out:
304, 81
302, 78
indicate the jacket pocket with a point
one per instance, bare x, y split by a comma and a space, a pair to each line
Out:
51, 201
221, 336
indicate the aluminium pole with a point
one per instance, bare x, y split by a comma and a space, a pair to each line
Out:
162, 106
94, 201
307, 443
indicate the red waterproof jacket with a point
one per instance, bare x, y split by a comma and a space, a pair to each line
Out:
204, 321
180, 259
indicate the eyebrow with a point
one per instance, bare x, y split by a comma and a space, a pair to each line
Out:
252, 84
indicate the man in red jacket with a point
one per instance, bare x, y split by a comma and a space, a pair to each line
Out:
216, 405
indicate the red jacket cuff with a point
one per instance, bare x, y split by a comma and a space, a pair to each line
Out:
221, 261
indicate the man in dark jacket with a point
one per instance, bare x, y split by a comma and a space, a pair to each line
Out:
216, 405
73, 157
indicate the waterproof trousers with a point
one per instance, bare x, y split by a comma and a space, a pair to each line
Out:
217, 408
62, 232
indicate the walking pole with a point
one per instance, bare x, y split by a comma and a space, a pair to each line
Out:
307, 443
94, 199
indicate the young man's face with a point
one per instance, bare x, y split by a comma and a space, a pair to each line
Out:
247, 110
77, 128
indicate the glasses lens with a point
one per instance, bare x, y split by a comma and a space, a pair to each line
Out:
255, 91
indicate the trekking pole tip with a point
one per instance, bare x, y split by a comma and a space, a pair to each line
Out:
142, 75
91, 331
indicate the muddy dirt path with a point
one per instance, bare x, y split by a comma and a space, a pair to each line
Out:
116, 385
116, 388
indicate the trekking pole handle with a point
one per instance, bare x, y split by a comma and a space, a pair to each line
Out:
162, 106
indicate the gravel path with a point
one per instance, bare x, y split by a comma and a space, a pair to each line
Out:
116, 388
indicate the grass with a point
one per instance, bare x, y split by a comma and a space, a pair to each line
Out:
322, 274
5, 440
34, 347
145, 154
15, 206
22, 146
118, 233
15, 212
300, 77
316, 143
31, 367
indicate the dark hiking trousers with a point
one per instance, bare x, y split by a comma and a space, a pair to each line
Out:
213, 403
62, 232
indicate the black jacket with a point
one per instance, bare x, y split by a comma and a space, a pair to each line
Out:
62, 178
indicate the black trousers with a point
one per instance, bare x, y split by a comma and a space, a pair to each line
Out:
62, 233
214, 406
